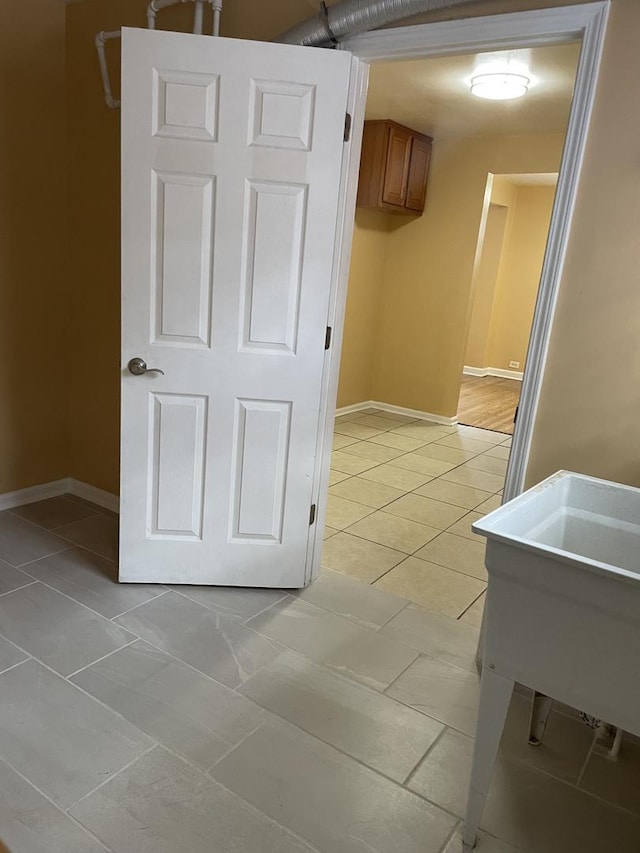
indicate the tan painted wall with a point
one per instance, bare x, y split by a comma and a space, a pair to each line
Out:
485, 286
94, 222
508, 275
590, 400
364, 301
590, 405
34, 302
519, 278
426, 311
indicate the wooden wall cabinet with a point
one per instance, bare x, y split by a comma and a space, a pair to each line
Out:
393, 168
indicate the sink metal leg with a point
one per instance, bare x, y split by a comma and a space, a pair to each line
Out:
614, 752
495, 695
480, 647
540, 709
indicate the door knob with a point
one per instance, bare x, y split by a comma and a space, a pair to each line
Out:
138, 366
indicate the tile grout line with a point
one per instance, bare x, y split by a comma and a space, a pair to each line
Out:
14, 665
474, 455
454, 832
180, 660
55, 805
13, 512
81, 603
84, 547
257, 811
104, 657
397, 613
240, 616
471, 605
413, 771
586, 762
23, 586
399, 675
359, 761
104, 782
135, 607
22, 566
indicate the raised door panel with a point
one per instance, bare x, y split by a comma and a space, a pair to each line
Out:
177, 449
274, 234
397, 166
418, 173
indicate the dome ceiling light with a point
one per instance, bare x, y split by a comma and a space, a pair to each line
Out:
499, 86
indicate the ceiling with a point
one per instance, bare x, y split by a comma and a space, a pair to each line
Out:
433, 97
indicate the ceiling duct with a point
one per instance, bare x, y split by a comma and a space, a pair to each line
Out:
350, 17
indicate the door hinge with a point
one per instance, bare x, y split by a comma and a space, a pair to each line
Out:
347, 127
327, 338
312, 514
515, 414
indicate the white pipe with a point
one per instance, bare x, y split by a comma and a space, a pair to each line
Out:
198, 17
101, 39
156, 5
216, 6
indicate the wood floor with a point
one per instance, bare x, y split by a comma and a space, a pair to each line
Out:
488, 402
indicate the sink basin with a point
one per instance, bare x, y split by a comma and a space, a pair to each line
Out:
575, 519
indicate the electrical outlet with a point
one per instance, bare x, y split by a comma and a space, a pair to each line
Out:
515, 364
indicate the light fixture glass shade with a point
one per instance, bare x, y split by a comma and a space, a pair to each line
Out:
499, 86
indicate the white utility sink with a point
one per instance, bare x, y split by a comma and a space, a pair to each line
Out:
563, 609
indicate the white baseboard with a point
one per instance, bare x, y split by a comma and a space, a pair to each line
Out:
31, 494
355, 407
68, 485
414, 413
92, 493
492, 371
396, 410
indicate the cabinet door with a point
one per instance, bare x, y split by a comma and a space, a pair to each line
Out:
418, 170
394, 188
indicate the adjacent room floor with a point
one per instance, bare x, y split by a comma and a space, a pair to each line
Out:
147, 719
489, 402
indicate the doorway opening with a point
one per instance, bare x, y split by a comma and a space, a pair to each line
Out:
409, 474
510, 254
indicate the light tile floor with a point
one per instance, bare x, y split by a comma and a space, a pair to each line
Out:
402, 499
147, 719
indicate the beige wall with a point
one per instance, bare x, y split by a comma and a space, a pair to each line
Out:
94, 223
430, 267
484, 285
506, 282
519, 278
589, 406
34, 301
364, 300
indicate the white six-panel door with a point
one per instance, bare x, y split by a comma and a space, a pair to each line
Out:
232, 155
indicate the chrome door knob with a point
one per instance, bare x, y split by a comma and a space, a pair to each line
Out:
138, 366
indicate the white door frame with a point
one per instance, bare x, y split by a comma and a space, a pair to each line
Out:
493, 32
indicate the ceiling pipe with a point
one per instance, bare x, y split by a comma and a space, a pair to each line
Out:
156, 5
101, 39
350, 17
198, 18
216, 5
